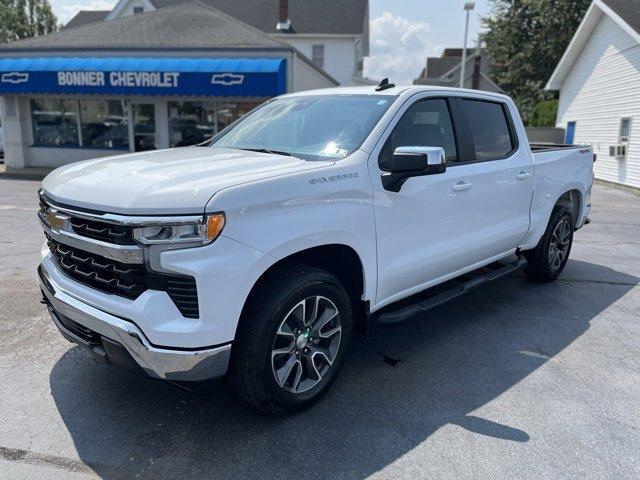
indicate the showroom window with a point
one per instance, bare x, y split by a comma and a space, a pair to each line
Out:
229, 112
99, 124
191, 123
55, 122
104, 124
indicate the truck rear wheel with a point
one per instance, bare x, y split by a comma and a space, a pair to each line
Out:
550, 256
292, 339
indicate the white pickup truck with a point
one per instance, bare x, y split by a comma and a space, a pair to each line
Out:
258, 254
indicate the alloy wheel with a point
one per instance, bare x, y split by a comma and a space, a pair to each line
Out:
306, 344
560, 243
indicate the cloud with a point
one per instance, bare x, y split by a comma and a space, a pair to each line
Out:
65, 10
399, 48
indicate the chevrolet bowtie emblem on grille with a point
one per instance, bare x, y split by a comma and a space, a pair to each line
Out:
227, 79
54, 219
15, 77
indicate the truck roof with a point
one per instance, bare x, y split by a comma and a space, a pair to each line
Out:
393, 91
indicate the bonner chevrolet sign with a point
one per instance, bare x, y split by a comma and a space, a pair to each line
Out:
119, 79
231, 77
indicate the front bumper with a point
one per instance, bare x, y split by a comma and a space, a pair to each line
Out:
120, 341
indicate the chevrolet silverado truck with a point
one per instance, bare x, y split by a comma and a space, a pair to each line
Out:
316, 216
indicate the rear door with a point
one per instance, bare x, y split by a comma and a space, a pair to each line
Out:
503, 178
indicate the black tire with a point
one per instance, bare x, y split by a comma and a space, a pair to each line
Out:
541, 266
251, 372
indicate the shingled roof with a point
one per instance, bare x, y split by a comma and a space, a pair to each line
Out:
87, 16
307, 16
191, 25
628, 10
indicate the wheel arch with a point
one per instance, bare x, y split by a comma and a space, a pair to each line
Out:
571, 196
572, 200
338, 259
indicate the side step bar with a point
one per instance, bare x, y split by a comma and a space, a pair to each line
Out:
403, 314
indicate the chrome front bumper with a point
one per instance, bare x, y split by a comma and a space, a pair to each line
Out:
176, 365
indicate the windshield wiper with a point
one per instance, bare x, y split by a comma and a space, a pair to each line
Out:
267, 150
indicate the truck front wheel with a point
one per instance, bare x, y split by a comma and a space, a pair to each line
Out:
550, 256
292, 339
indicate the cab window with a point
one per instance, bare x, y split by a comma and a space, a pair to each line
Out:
426, 123
489, 129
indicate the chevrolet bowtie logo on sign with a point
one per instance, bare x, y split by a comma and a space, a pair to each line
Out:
15, 77
227, 79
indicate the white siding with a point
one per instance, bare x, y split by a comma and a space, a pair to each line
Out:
339, 54
308, 78
124, 8
128, 10
602, 87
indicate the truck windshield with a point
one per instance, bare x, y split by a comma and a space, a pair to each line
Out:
311, 127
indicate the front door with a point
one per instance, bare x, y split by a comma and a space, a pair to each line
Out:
425, 231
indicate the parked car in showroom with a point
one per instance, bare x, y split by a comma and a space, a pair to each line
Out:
260, 253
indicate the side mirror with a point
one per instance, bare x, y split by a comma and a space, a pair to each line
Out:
412, 162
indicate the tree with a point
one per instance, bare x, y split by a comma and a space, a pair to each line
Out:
525, 39
544, 114
25, 18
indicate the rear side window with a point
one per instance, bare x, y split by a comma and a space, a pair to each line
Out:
426, 123
489, 129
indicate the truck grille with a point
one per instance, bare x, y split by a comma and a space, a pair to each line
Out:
105, 232
123, 279
97, 230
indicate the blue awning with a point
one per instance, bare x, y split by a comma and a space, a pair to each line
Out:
238, 77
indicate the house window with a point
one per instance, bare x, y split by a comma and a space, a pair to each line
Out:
317, 55
623, 138
137, 10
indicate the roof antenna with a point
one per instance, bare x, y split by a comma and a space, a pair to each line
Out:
384, 84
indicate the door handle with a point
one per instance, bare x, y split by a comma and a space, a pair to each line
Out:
523, 175
460, 186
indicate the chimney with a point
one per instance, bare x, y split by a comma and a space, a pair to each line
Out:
477, 63
284, 23
477, 67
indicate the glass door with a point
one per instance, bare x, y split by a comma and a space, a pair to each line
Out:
144, 126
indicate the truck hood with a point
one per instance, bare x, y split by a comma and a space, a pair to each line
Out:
175, 181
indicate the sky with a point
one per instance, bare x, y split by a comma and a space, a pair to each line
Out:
403, 33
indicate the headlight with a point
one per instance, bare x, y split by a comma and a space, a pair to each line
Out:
201, 232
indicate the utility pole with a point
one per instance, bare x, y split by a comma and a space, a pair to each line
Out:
468, 6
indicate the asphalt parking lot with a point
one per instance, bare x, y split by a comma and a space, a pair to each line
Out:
515, 380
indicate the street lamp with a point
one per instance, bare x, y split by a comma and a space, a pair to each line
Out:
468, 6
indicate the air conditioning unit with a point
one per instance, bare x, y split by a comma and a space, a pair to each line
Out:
619, 151
622, 151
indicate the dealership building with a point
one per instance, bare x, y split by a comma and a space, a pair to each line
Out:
146, 76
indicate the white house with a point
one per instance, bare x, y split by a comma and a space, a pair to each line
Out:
599, 82
334, 34
445, 70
